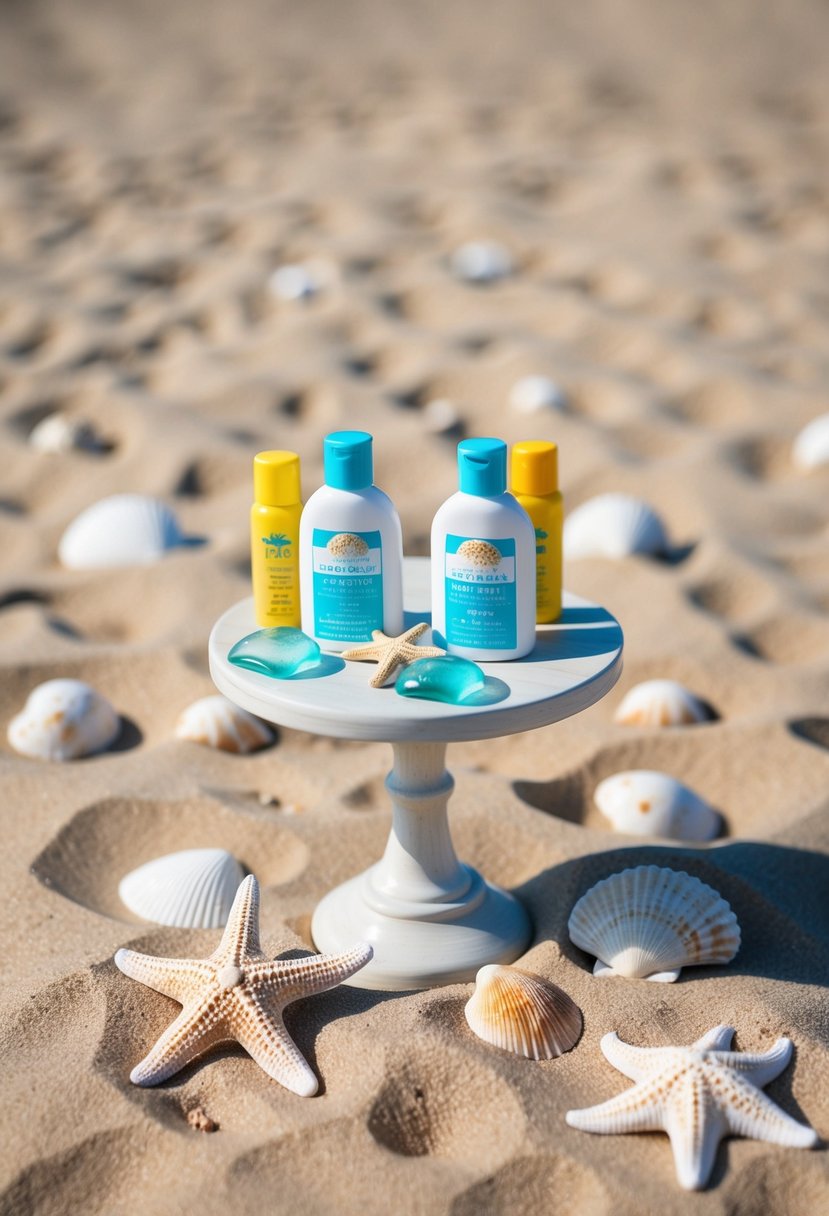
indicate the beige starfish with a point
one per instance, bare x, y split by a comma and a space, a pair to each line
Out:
696, 1094
392, 653
236, 994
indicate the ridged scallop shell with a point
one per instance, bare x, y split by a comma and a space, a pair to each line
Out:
645, 803
522, 1012
479, 553
614, 525
57, 433
217, 722
347, 544
811, 447
193, 889
535, 394
63, 720
660, 703
124, 530
650, 922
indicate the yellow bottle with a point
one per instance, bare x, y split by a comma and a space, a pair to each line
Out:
274, 538
535, 485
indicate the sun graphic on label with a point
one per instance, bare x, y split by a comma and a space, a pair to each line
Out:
346, 544
479, 553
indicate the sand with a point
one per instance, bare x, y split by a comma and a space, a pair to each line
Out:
657, 173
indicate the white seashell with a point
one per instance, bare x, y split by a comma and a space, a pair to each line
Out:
193, 889
57, 433
535, 394
660, 703
300, 280
217, 722
63, 720
522, 1012
811, 447
613, 525
124, 530
440, 416
650, 922
645, 803
481, 262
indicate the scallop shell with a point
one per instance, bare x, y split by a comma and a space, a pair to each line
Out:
347, 544
535, 394
57, 433
63, 720
645, 803
217, 722
613, 525
811, 447
479, 553
481, 261
660, 703
193, 889
124, 530
650, 922
522, 1012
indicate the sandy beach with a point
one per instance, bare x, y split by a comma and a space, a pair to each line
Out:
657, 175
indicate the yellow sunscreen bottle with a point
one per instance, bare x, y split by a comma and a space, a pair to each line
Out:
535, 485
274, 538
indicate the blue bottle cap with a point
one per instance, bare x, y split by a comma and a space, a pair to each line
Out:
482, 466
347, 460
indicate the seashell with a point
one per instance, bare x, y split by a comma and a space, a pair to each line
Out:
660, 703
811, 447
124, 530
481, 262
522, 1012
479, 553
347, 544
649, 922
645, 803
57, 433
613, 525
193, 889
217, 722
300, 280
441, 417
63, 720
535, 394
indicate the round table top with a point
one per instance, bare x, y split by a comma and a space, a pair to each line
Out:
573, 664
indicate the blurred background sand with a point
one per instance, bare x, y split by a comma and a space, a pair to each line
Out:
657, 173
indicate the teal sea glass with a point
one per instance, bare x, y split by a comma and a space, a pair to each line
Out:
449, 679
281, 652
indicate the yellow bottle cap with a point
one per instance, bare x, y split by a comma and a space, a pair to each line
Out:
276, 479
534, 468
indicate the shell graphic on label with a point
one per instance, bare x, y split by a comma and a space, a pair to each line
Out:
346, 544
479, 553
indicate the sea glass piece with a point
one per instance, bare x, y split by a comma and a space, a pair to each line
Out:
449, 679
281, 652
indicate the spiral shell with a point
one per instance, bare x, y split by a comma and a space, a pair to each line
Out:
614, 525
124, 530
64, 720
217, 722
480, 553
193, 889
522, 1012
645, 803
660, 703
346, 544
649, 922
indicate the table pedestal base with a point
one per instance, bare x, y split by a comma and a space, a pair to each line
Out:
430, 919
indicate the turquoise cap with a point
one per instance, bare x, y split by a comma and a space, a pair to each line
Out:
482, 466
347, 460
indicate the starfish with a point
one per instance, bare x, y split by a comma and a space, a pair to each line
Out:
696, 1094
392, 653
236, 994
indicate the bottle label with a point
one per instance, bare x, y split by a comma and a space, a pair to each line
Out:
280, 574
480, 593
348, 585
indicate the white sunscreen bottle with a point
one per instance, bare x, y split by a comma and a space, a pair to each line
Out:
483, 562
350, 550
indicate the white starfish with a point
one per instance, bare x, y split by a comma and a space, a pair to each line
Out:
696, 1094
236, 994
391, 653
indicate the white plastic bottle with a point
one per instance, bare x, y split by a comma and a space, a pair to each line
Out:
483, 562
350, 550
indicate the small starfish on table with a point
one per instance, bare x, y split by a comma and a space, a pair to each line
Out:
696, 1094
236, 994
392, 653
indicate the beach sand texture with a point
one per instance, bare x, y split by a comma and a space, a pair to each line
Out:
657, 173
